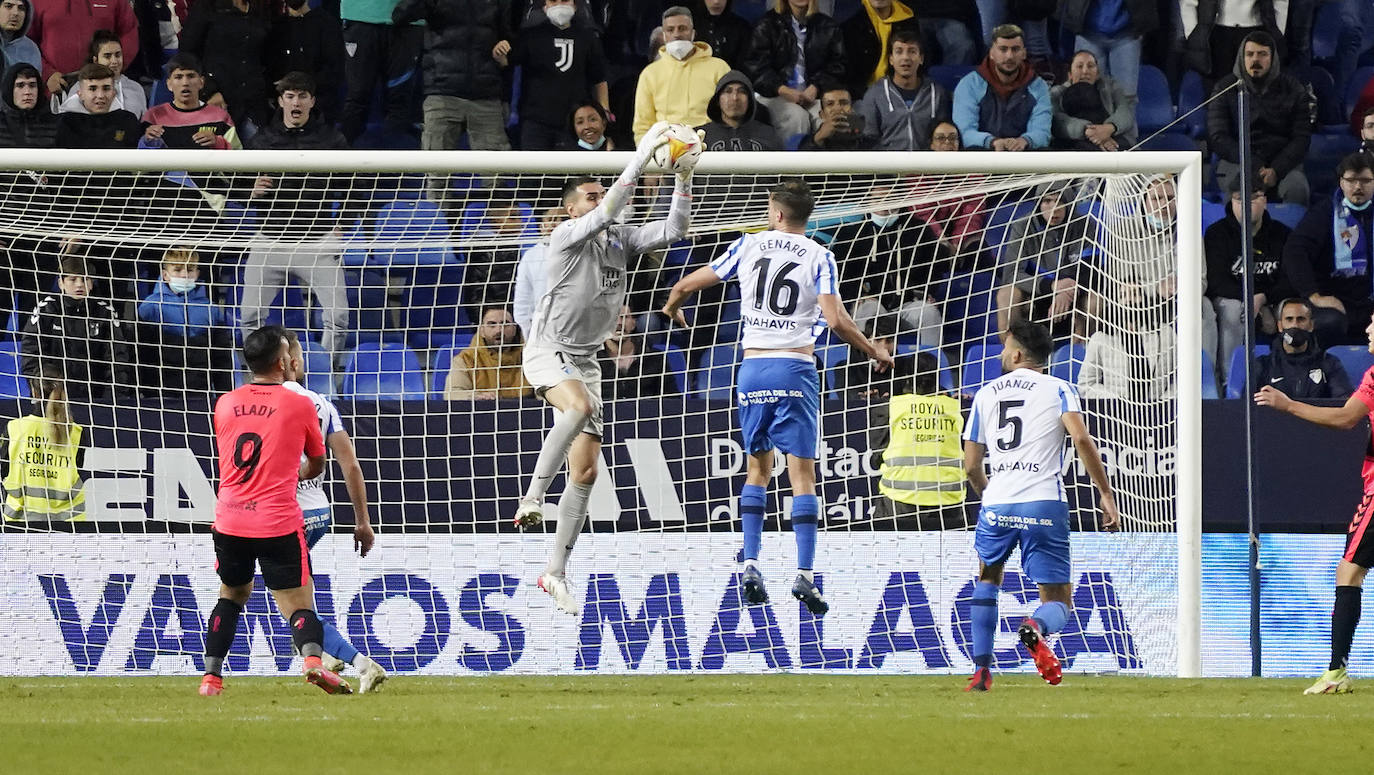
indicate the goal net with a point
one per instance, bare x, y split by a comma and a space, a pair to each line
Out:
131, 279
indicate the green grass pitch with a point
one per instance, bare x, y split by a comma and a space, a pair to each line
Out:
797, 724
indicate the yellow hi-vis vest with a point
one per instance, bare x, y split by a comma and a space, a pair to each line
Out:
43, 483
924, 461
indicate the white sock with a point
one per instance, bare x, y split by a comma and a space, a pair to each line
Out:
555, 449
750, 564
572, 514
810, 576
360, 660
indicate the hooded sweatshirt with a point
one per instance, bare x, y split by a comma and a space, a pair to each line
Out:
33, 128
900, 124
18, 47
480, 369
1282, 113
985, 109
63, 28
750, 135
677, 91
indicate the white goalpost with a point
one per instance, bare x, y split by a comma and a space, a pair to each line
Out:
386, 264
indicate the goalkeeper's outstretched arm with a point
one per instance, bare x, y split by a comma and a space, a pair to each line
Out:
1339, 417
620, 191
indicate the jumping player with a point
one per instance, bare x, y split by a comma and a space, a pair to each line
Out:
315, 507
589, 256
1359, 541
788, 283
261, 431
1019, 420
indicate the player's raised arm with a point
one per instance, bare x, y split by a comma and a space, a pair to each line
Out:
1339, 417
578, 230
844, 326
1092, 460
703, 278
342, 446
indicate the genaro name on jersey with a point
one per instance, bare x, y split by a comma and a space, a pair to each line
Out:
310, 492
780, 275
1019, 418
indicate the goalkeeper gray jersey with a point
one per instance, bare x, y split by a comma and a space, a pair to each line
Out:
588, 260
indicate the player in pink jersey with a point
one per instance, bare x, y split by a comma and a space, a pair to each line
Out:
1359, 540
262, 429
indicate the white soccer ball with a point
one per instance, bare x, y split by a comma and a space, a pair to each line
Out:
682, 150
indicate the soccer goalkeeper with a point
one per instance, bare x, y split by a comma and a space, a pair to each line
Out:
589, 256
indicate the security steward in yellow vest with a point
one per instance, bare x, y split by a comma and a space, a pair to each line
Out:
922, 471
43, 481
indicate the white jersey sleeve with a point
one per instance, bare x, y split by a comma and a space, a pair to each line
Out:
781, 277
310, 493
1018, 417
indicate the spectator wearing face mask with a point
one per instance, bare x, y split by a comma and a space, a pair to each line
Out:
679, 85
1296, 365
190, 340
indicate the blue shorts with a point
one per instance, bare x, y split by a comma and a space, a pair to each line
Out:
316, 525
1040, 527
779, 402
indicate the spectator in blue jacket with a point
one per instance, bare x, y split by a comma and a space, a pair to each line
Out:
187, 332
1003, 105
902, 109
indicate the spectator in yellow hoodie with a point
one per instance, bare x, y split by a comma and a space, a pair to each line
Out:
678, 85
490, 367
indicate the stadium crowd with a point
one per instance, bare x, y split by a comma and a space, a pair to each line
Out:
938, 76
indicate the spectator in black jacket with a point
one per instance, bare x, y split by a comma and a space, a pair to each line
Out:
229, 37
1281, 115
25, 121
463, 83
841, 129
1335, 275
309, 40
77, 336
1225, 264
561, 65
1296, 365
725, 31
98, 127
302, 232
630, 370
867, 36
788, 85
734, 126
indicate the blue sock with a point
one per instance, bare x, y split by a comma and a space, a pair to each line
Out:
984, 615
751, 497
805, 516
336, 644
1051, 617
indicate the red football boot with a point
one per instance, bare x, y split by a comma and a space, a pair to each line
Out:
1045, 660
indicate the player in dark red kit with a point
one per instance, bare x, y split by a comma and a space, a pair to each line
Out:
1359, 540
262, 429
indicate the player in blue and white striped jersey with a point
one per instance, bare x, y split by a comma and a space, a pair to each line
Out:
315, 507
789, 290
1020, 421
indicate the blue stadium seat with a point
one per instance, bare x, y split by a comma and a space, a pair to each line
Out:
1212, 212
677, 363
1209, 376
970, 307
417, 222
942, 361
1287, 214
983, 364
1156, 108
367, 302
727, 330
948, 76
1168, 141
12, 382
432, 304
319, 373
1325, 152
995, 229
383, 371
1355, 358
1067, 360
831, 350
715, 379
1191, 95
443, 362
1235, 373
794, 142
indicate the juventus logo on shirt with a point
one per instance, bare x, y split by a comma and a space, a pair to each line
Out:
565, 54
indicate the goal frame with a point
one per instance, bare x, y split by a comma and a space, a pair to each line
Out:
1186, 165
